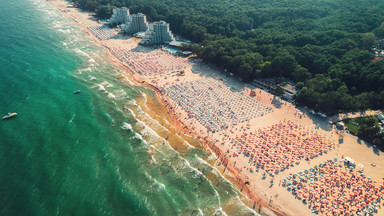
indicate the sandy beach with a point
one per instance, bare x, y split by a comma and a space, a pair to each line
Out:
220, 112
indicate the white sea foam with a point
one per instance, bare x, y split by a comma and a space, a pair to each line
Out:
132, 102
154, 121
128, 80
78, 51
196, 172
146, 131
140, 124
201, 161
106, 84
92, 78
246, 209
132, 113
219, 212
110, 95
157, 185
189, 145
145, 97
120, 93
212, 156
84, 70
100, 87
109, 117
66, 31
139, 137
199, 212
73, 117
126, 126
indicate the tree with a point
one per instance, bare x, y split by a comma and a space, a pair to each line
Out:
246, 72
368, 40
104, 11
301, 73
283, 65
270, 39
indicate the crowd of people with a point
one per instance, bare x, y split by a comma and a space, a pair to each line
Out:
102, 32
331, 188
215, 105
277, 147
152, 63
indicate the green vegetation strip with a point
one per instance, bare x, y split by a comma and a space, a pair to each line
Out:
324, 45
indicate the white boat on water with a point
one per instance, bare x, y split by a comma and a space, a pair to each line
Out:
76, 92
10, 115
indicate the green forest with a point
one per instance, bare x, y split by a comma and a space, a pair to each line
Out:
323, 45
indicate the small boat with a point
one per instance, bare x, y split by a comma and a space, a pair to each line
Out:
76, 92
10, 115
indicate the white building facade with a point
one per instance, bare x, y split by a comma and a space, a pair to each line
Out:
158, 33
119, 16
136, 23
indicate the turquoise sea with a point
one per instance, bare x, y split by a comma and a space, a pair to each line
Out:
100, 152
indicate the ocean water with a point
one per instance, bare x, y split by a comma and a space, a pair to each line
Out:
106, 151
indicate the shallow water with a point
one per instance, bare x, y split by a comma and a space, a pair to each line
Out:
109, 150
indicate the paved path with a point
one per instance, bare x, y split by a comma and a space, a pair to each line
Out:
343, 116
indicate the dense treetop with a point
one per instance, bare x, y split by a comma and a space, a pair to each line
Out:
324, 45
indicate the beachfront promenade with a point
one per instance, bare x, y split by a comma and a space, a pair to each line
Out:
253, 133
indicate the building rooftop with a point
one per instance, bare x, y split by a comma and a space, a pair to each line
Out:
175, 43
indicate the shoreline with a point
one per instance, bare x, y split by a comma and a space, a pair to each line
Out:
258, 202
285, 204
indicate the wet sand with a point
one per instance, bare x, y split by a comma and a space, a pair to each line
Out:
270, 199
